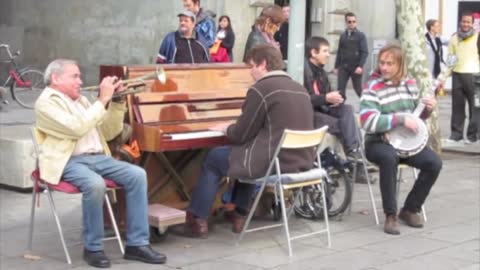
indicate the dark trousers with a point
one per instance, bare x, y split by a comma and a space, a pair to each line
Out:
344, 75
462, 89
214, 167
386, 158
341, 123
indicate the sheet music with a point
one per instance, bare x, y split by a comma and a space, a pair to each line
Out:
196, 135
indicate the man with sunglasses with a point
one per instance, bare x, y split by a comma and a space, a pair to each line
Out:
351, 56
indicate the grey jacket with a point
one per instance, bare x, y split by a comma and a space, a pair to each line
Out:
274, 103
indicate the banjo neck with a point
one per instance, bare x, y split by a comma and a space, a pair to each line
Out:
421, 106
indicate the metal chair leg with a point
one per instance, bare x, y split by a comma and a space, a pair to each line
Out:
32, 220
325, 213
114, 223
251, 212
285, 222
59, 226
367, 175
370, 190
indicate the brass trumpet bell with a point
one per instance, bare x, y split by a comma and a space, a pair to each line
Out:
158, 74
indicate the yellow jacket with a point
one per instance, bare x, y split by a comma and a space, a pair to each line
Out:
466, 52
63, 127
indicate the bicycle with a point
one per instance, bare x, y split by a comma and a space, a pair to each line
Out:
25, 83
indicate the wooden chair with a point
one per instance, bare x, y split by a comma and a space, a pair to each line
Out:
40, 186
291, 140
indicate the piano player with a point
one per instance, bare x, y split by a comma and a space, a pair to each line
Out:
273, 103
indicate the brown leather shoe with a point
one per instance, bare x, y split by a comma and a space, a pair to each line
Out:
238, 222
194, 227
412, 219
391, 225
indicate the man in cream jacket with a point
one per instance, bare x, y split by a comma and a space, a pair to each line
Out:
75, 151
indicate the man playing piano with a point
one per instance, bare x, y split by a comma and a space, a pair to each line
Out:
274, 103
76, 151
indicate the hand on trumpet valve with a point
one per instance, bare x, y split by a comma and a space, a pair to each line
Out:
108, 86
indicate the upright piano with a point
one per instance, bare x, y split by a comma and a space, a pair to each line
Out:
170, 122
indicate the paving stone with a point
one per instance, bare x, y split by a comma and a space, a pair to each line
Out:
468, 251
427, 261
345, 260
278, 255
406, 246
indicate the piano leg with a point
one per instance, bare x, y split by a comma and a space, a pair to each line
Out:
174, 175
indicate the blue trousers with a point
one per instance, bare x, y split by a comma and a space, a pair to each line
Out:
214, 167
87, 172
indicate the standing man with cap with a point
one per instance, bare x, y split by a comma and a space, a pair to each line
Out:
205, 24
183, 45
351, 56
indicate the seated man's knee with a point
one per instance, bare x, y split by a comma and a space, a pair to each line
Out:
215, 155
435, 164
382, 158
138, 174
95, 186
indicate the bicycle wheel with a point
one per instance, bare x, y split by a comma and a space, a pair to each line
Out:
26, 96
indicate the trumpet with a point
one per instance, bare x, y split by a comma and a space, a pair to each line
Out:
158, 74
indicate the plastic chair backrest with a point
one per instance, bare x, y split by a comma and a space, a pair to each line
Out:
292, 139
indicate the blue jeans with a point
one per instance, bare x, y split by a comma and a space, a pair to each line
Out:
214, 167
87, 173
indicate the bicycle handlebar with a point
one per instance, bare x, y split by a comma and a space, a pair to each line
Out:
4, 46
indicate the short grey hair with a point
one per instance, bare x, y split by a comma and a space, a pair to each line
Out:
57, 66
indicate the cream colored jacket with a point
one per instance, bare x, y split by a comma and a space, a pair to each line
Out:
63, 127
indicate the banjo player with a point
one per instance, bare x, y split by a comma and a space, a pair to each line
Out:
386, 98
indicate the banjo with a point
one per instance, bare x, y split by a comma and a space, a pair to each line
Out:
408, 142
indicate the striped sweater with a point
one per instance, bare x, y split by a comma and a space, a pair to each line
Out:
381, 102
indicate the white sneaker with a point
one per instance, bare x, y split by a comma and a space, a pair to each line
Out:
467, 141
450, 141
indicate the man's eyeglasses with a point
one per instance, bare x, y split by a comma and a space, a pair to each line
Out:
351, 22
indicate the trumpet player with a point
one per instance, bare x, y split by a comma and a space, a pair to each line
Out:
75, 151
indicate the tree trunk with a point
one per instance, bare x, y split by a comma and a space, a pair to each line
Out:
412, 37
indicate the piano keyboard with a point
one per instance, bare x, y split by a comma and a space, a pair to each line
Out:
195, 135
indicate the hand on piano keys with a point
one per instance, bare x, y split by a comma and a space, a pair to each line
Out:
220, 127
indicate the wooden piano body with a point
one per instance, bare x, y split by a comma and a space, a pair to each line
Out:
170, 122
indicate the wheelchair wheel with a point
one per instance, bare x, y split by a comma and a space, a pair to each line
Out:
339, 194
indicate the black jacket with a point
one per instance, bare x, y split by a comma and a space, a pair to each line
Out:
228, 42
316, 75
352, 50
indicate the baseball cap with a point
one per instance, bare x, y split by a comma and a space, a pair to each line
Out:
187, 13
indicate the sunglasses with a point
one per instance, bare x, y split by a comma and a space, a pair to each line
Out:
351, 21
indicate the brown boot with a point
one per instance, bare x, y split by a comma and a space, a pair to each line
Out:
238, 222
195, 227
391, 225
412, 219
